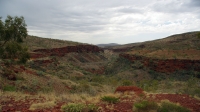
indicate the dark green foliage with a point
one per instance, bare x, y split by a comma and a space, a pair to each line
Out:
137, 65
13, 29
170, 107
117, 65
156, 75
12, 33
110, 99
14, 50
183, 75
9, 88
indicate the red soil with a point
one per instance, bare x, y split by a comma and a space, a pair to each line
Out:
165, 65
10, 105
135, 89
63, 50
184, 100
124, 105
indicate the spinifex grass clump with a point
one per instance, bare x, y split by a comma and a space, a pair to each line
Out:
171, 107
110, 99
73, 107
79, 107
145, 106
9, 88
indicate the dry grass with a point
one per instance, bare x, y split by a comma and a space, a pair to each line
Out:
34, 42
196, 97
167, 101
192, 54
17, 95
36, 106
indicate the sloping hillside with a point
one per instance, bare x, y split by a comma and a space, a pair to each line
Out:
34, 42
107, 45
176, 52
64, 72
184, 45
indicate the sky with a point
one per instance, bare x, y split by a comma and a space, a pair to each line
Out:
105, 21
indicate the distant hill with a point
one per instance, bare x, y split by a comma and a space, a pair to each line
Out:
177, 41
179, 46
34, 42
107, 45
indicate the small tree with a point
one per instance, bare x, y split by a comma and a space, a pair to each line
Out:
12, 33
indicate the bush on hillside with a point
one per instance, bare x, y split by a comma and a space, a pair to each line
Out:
145, 106
171, 107
9, 88
79, 107
110, 99
126, 83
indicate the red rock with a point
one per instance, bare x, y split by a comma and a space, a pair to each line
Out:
63, 50
164, 65
135, 89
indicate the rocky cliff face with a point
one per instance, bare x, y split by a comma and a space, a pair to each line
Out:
63, 50
164, 65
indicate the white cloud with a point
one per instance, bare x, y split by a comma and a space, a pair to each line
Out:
103, 21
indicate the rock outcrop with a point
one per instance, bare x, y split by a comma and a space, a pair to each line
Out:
164, 65
63, 50
134, 89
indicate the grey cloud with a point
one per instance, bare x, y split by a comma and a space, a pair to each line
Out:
195, 3
90, 17
130, 10
177, 6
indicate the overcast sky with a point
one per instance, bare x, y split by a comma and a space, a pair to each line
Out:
105, 21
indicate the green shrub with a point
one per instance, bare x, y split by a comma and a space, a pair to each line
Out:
126, 83
171, 107
79, 107
72, 107
137, 65
110, 99
141, 105
145, 106
92, 107
9, 88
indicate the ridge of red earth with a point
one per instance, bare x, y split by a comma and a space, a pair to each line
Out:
137, 90
164, 65
39, 53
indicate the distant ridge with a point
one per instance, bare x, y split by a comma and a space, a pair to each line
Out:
107, 45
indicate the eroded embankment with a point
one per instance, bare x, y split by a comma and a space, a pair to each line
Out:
63, 50
164, 65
